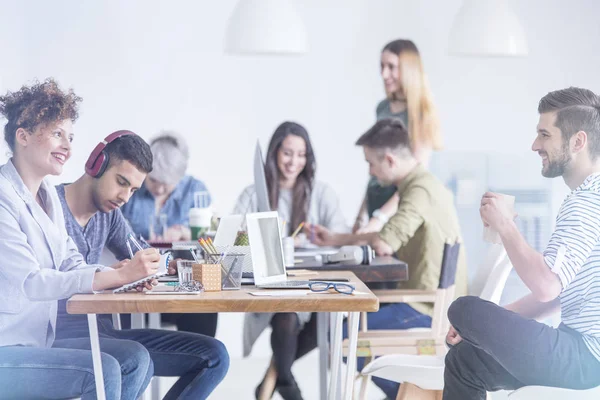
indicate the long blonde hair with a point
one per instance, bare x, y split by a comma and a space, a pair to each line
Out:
423, 122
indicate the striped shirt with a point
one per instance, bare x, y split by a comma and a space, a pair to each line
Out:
573, 253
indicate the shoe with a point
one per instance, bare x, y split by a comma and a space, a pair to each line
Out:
259, 387
289, 391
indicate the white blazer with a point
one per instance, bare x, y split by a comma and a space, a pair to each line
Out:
39, 262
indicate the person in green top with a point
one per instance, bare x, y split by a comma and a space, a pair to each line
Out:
424, 221
408, 99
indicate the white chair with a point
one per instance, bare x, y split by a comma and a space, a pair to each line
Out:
551, 393
423, 375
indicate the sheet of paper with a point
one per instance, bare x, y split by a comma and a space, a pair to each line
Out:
302, 272
281, 293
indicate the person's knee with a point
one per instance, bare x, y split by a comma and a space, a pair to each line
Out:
220, 357
288, 322
462, 308
111, 370
135, 357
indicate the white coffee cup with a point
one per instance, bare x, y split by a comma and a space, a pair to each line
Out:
288, 251
490, 235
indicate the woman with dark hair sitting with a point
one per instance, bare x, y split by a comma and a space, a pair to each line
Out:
293, 191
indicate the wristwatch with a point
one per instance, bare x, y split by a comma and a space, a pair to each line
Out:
380, 216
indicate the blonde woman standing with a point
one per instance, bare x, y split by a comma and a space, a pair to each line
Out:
409, 99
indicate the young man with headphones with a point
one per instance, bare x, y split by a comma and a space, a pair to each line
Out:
115, 169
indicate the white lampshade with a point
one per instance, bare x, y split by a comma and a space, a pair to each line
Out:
487, 28
266, 27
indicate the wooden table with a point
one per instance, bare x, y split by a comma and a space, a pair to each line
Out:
239, 301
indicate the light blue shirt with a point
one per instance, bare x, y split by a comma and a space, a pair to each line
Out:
39, 262
142, 206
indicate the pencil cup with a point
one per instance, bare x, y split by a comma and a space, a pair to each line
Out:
231, 273
209, 275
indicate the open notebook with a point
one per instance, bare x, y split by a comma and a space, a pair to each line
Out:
162, 271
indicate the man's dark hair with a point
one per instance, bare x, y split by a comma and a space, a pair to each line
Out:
130, 148
387, 133
576, 110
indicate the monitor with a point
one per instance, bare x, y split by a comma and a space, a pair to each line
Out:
265, 247
260, 181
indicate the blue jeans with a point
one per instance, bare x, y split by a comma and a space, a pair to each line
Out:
200, 361
65, 370
392, 316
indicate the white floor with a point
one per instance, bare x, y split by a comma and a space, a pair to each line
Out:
246, 373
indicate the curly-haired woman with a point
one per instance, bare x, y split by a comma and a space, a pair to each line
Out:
40, 263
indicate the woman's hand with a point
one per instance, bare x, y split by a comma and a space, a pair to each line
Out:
319, 235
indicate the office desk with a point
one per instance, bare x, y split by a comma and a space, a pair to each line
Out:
239, 301
382, 269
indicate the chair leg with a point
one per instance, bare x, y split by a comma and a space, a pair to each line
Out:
269, 382
364, 387
408, 391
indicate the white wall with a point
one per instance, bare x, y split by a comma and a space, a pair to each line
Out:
148, 65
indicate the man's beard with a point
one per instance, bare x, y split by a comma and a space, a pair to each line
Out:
558, 166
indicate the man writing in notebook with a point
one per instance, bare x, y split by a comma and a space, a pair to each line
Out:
424, 221
496, 348
116, 169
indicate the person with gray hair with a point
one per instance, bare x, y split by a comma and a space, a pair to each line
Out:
167, 190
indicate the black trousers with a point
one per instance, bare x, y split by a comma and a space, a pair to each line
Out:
502, 350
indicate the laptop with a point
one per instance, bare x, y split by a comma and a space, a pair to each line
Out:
267, 252
229, 226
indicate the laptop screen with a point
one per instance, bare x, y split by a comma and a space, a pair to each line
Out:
265, 245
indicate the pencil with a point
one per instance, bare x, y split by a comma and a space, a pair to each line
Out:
211, 245
298, 229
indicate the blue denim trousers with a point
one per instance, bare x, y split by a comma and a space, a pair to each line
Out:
200, 361
392, 316
66, 370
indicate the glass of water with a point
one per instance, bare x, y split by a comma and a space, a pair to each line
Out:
185, 272
158, 226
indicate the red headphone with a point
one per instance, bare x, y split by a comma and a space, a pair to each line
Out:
98, 160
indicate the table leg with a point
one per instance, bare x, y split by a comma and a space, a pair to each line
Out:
322, 328
353, 319
96, 360
154, 323
116, 320
336, 358
138, 321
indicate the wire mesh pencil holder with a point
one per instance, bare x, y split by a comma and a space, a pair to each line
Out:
231, 269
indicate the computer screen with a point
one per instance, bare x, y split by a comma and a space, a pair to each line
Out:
260, 181
265, 246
